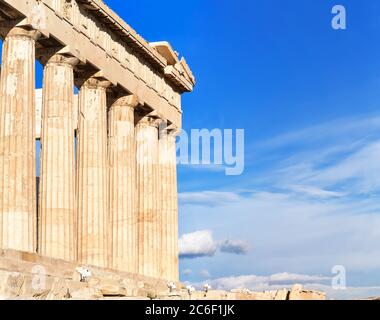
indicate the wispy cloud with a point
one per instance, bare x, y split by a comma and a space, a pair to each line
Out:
358, 171
210, 198
335, 159
350, 129
314, 204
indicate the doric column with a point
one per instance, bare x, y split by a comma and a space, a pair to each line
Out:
148, 201
17, 142
169, 204
122, 173
57, 223
92, 174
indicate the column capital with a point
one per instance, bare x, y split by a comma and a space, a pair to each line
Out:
12, 31
169, 131
92, 79
174, 132
61, 59
129, 101
150, 121
96, 83
57, 55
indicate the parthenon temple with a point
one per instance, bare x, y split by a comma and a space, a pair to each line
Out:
107, 119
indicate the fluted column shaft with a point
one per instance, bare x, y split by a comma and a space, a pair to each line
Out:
148, 203
17, 142
169, 205
122, 173
57, 223
92, 174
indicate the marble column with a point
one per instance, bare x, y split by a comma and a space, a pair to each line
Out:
92, 174
122, 174
57, 223
169, 205
148, 203
17, 142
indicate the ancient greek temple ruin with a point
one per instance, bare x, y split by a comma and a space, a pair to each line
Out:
107, 119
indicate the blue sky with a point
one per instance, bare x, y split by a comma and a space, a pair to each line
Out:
308, 99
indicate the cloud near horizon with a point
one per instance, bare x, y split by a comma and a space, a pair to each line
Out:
314, 205
261, 283
286, 280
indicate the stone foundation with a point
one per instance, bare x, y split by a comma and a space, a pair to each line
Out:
28, 276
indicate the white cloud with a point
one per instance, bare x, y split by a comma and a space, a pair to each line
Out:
334, 159
316, 192
348, 173
297, 234
347, 129
315, 204
202, 244
359, 170
260, 283
287, 281
197, 244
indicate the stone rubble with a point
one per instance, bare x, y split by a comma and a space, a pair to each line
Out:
32, 277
